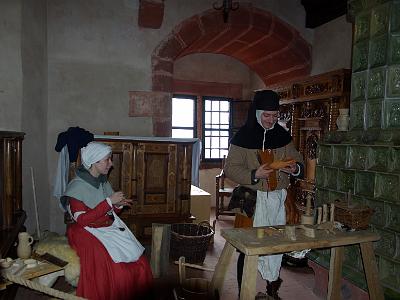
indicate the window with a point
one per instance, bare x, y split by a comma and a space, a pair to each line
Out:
183, 116
216, 127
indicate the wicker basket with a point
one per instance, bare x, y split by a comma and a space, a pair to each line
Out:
356, 217
191, 241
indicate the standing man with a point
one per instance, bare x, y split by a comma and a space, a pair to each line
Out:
262, 157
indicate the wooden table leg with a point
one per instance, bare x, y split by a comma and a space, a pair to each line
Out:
248, 288
335, 273
222, 266
371, 271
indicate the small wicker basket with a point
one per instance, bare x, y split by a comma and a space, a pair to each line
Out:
357, 217
191, 241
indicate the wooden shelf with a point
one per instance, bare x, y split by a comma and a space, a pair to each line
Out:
310, 128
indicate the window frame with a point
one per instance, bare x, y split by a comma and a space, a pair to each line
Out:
203, 125
194, 98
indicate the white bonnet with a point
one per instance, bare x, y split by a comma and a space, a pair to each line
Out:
93, 153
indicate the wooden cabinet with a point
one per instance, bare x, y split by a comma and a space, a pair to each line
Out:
309, 109
156, 174
12, 217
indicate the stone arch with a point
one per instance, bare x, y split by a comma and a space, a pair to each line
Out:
269, 46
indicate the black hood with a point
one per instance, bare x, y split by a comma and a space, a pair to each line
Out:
251, 135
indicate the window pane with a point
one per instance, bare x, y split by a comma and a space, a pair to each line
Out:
224, 126
207, 105
182, 133
207, 117
224, 142
224, 118
224, 133
215, 142
207, 133
215, 133
215, 117
207, 153
224, 152
215, 153
224, 105
182, 112
207, 142
215, 105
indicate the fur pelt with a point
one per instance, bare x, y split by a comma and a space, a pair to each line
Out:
58, 246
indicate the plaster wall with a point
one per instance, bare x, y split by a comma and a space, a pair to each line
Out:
34, 111
215, 68
332, 46
10, 65
97, 53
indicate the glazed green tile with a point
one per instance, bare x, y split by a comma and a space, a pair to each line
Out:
358, 156
377, 52
324, 155
393, 213
321, 196
393, 81
387, 187
378, 158
339, 156
394, 163
392, 114
394, 49
361, 30
352, 256
358, 86
387, 244
319, 176
379, 217
373, 116
379, 20
346, 180
365, 182
389, 272
395, 17
357, 115
360, 56
358, 201
376, 83
333, 196
331, 177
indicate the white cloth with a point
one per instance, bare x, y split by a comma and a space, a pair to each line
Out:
61, 178
122, 245
93, 153
270, 211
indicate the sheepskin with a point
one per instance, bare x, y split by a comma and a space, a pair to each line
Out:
58, 246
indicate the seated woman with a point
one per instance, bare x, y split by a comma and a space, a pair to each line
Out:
112, 262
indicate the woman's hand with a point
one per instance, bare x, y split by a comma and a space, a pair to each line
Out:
118, 199
263, 172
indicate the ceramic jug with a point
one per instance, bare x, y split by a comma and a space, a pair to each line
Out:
24, 248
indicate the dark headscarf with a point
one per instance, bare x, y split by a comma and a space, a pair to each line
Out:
251, 135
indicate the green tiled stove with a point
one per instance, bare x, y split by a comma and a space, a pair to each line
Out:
366, 159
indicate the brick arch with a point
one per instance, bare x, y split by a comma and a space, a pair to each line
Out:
270, 47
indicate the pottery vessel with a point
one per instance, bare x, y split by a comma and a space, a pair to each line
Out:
342, 121
24, 248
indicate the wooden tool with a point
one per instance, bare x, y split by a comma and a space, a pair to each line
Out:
332, 213
319, 215
324, 213
308, 218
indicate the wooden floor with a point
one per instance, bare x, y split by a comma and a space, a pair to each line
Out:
297, 282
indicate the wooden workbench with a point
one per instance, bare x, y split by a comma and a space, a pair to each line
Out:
274, 242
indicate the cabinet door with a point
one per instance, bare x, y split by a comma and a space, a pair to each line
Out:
155, 176
120, 175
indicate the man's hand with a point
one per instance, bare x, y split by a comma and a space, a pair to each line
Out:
263, 172
292, 168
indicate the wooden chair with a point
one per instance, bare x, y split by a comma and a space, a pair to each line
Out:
221, 192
